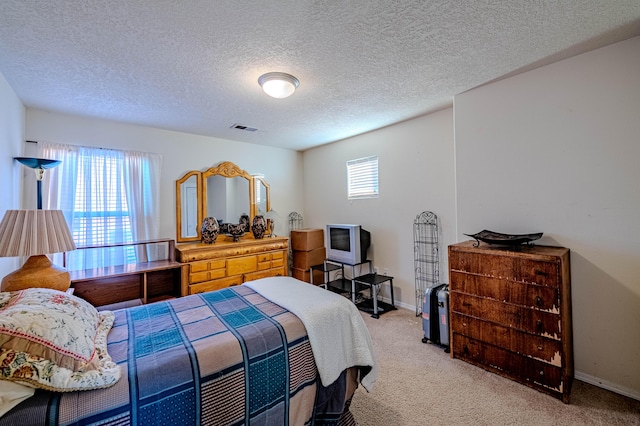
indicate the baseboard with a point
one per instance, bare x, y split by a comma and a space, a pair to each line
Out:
595, 381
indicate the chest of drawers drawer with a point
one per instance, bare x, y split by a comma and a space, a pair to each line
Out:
541, 375
532, 321
507, 267
531, 295
537, 346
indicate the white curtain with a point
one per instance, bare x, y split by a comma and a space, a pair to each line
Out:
108, 196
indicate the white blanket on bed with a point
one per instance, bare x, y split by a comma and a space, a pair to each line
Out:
337, 333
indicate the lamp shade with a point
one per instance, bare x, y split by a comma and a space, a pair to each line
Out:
271, 216
38, 165
34, 232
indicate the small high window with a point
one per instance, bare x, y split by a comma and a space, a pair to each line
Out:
362, 178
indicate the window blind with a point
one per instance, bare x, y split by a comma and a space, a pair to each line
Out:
362, 178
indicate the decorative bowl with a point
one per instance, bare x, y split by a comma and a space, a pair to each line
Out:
235, 231
491, 237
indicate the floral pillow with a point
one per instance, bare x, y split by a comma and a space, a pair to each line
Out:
54, 340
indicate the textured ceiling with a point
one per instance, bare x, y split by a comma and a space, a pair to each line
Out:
193, 66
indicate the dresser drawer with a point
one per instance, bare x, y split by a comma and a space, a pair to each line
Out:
214, 285
524, 369
242, 265
199, 266
530, 320
264, 274
507, 267
207, 270
538, 347
264, 265
198, 277
207, 265
531, 295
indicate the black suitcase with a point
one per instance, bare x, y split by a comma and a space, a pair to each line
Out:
430, 316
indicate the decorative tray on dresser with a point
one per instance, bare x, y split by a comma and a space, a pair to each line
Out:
226, 262
511, 313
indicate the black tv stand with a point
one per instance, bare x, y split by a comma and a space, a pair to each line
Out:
353, 284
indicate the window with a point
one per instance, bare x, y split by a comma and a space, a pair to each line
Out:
108, 197
362, 178
101, 212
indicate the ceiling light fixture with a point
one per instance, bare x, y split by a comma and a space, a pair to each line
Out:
278, 84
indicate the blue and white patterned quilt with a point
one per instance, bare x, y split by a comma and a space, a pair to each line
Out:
229, 357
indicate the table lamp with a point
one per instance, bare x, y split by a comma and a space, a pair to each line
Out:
35, 233
271, 216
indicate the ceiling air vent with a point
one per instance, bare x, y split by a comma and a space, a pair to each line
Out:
243, 127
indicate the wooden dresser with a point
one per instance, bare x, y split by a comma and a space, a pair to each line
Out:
510, 313
226, 263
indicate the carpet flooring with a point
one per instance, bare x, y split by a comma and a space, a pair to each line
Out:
420, 384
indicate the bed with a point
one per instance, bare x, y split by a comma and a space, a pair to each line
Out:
275, 351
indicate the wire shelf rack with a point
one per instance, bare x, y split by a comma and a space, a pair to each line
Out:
426, 255
295, 222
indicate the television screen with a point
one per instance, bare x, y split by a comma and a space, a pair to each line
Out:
340, 239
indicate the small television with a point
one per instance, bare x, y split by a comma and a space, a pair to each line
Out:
347, 243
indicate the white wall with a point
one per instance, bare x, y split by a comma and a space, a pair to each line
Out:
415, 166
180, 152
556, 150
12, 123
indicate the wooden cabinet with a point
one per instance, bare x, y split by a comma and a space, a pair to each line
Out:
510, 313
143, 282
227, 263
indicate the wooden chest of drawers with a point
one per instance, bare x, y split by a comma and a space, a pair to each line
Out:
226, 263
510, 313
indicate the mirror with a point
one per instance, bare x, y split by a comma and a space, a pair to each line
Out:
262, 199
227, 198
188, 211
224, 191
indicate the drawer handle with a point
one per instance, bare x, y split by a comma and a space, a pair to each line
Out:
542, 273
539, 326
538, 300
465, 349
540, 347
466, 304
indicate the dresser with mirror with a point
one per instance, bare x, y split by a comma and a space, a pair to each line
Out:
227, 193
